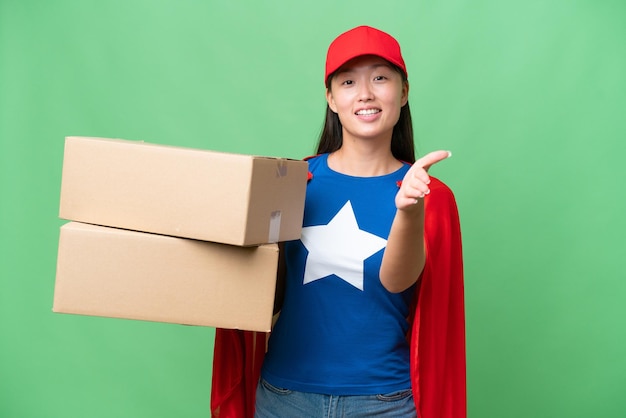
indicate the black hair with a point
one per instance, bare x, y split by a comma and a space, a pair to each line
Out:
402, 142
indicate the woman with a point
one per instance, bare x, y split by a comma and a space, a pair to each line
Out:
340, 346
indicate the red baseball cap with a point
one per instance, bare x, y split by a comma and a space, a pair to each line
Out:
362, 40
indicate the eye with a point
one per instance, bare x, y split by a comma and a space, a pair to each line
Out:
347, 83
380, 78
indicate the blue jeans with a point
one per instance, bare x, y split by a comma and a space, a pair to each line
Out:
273, 402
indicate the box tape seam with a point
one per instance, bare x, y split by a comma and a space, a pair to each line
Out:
274, 232
281, 168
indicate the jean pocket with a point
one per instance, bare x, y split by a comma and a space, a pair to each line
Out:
272, 388
395, 396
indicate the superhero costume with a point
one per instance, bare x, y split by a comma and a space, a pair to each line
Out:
437, 333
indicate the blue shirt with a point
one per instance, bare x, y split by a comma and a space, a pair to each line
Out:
340, 331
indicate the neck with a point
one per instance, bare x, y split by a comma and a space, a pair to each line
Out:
363, 161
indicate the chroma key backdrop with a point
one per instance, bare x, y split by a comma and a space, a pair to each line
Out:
530, 97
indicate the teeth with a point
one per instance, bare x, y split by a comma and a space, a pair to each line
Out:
367, 111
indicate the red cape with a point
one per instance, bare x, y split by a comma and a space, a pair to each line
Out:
437, 332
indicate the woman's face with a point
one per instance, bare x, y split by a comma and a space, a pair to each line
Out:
367, 93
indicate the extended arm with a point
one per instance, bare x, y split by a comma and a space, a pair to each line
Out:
405, 255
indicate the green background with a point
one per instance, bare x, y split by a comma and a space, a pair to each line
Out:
529, 95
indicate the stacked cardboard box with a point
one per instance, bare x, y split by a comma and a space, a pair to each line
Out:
174, 234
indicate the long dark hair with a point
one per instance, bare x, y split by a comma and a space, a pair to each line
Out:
402, 143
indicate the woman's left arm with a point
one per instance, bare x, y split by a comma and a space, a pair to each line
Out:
405, 256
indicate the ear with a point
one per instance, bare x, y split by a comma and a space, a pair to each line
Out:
405, 93
330, 100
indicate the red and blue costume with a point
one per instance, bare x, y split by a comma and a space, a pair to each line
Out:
436, 333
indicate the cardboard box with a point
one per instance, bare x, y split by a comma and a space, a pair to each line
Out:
228, 198
118, 273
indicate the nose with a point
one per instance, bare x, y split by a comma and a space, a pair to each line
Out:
365, 92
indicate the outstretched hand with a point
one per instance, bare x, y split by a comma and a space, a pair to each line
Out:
416, 180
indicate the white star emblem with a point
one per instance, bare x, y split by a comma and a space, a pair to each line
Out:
339, 248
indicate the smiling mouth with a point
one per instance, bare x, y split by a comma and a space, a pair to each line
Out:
368, 112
